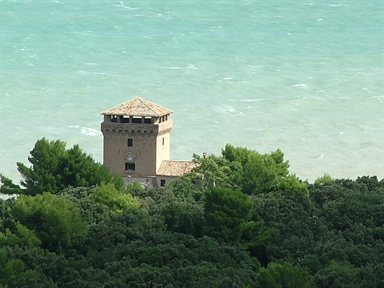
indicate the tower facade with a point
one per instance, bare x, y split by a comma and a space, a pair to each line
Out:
136, 138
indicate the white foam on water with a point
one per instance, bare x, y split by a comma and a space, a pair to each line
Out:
248, 100
302, 85
224, 109
90, 132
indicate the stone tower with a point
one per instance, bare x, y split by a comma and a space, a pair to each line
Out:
136, 138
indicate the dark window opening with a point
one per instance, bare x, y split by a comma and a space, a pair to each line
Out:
130, 142
163, 141
136, 120
113, 118
162, 182
147, 120
130, 166
124, 119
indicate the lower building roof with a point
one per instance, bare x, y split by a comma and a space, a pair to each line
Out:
175, 168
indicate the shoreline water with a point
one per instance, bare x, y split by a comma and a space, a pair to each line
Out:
340, 168
305, 78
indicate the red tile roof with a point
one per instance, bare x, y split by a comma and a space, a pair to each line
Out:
138, 107
175, 168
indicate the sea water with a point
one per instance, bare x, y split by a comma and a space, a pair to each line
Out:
305, 76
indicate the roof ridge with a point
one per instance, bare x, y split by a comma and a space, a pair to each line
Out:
141, 100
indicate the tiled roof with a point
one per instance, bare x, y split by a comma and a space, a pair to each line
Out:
175, 168
138, 107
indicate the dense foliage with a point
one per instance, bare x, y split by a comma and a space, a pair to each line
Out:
239, 220
54, 168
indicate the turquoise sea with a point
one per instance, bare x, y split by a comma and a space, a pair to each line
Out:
305, 76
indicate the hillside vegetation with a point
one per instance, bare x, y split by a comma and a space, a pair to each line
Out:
239, 219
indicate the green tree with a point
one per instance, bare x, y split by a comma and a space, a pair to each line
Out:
117, 201
227, 211
255, 235
255, 172
188, 187
212, 170
55, 168
258, 177
9, 267
91, 210
21, 236
56, 220
8, 187
326, 178
239, 167
293, 183
44, 174
283, 276
13, 272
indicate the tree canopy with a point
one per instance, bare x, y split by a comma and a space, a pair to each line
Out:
56, 220
226, 213
214, 227
54, 168
248, 170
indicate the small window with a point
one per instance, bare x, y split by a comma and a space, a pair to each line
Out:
130, 166
148, 120
162, 182
124, 119
130, 142
163, 141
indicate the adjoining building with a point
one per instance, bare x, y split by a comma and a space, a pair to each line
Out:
137, 143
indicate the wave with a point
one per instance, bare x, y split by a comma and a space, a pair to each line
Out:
86, 130
190, 66
248, 100
90, 132
124, 6
224, 109
301, 85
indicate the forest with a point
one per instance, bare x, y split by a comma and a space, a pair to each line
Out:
239, 219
